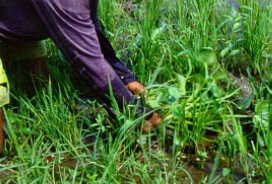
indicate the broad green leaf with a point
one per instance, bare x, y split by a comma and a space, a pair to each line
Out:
236, 26
261, 141
156, 33
234, 52
207, 55
262, 113
174, 92
262, 109
111, 34
219, 76
225, 172
153, 103
203, 154
216, 90
181, 83
179, 142
224, 51
25, 130
246, 102
175, 111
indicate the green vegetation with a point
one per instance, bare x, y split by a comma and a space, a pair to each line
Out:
207, 69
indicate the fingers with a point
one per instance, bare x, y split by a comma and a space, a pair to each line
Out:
155, 119
152, 122
135, 87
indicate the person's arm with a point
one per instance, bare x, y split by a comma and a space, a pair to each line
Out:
70, 26
119, 67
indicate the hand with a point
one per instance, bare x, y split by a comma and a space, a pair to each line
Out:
135, 87
152, 122
155, 120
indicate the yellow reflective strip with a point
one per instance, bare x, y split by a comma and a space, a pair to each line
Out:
1, 67
3, 76
4, 96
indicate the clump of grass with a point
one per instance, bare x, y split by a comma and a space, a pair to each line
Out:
184, 52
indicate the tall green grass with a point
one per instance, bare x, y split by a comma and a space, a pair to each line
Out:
184, 51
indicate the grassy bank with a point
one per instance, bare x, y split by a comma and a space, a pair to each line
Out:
207, 68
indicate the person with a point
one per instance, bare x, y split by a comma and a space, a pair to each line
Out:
74, 27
